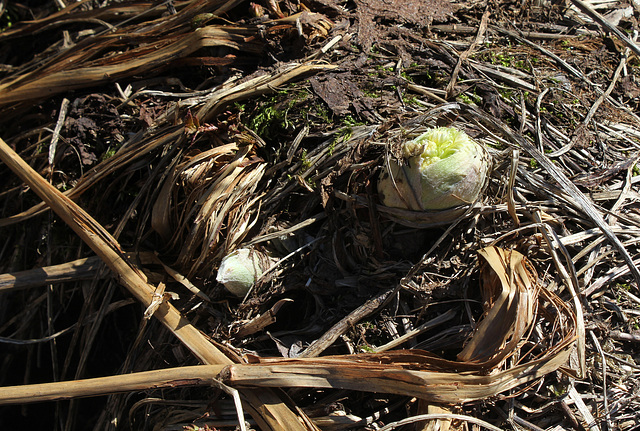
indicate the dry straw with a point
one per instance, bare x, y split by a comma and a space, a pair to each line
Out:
498, 358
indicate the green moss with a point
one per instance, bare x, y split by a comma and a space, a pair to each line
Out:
311, 183
366, 349
559, 389
406, 76
506, 93
266, 116
321, 111
381, 68
344, 134
464, 99
469, 98
271, 114
373, 93
306, 163
506, 59
349, 121
109, 153
624, 286
332, 146
409, 100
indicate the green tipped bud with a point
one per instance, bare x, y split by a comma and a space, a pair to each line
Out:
240, 269
444, 168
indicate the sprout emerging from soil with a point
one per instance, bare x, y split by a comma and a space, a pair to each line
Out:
240, 269
443, 168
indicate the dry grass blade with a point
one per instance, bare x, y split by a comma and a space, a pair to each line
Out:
234, 184
583, 203
205, 196
135, 61
417, 219
152, 140
119, 10
187, 175
440, 416
137, 49
586, 8
79, 269
571, 281
322, 343
109, 251
203, 375
271, 412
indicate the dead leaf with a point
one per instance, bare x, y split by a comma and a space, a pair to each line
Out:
509, 288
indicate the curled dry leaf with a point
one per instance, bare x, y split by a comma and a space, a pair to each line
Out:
208, 204
509, 288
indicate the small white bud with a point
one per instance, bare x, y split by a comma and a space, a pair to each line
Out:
240, 269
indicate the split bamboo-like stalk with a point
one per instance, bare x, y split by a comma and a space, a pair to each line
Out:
199, 375
393, 373
79, 269
431, 386
266, 407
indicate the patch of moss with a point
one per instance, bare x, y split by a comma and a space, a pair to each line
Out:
349, 121
410, 100
270, 116
111, 151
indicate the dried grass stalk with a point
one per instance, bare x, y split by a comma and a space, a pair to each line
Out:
394, 373
80, 269
106, 247
152, 140
205, 375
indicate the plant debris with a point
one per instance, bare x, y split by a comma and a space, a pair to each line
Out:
141, 143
